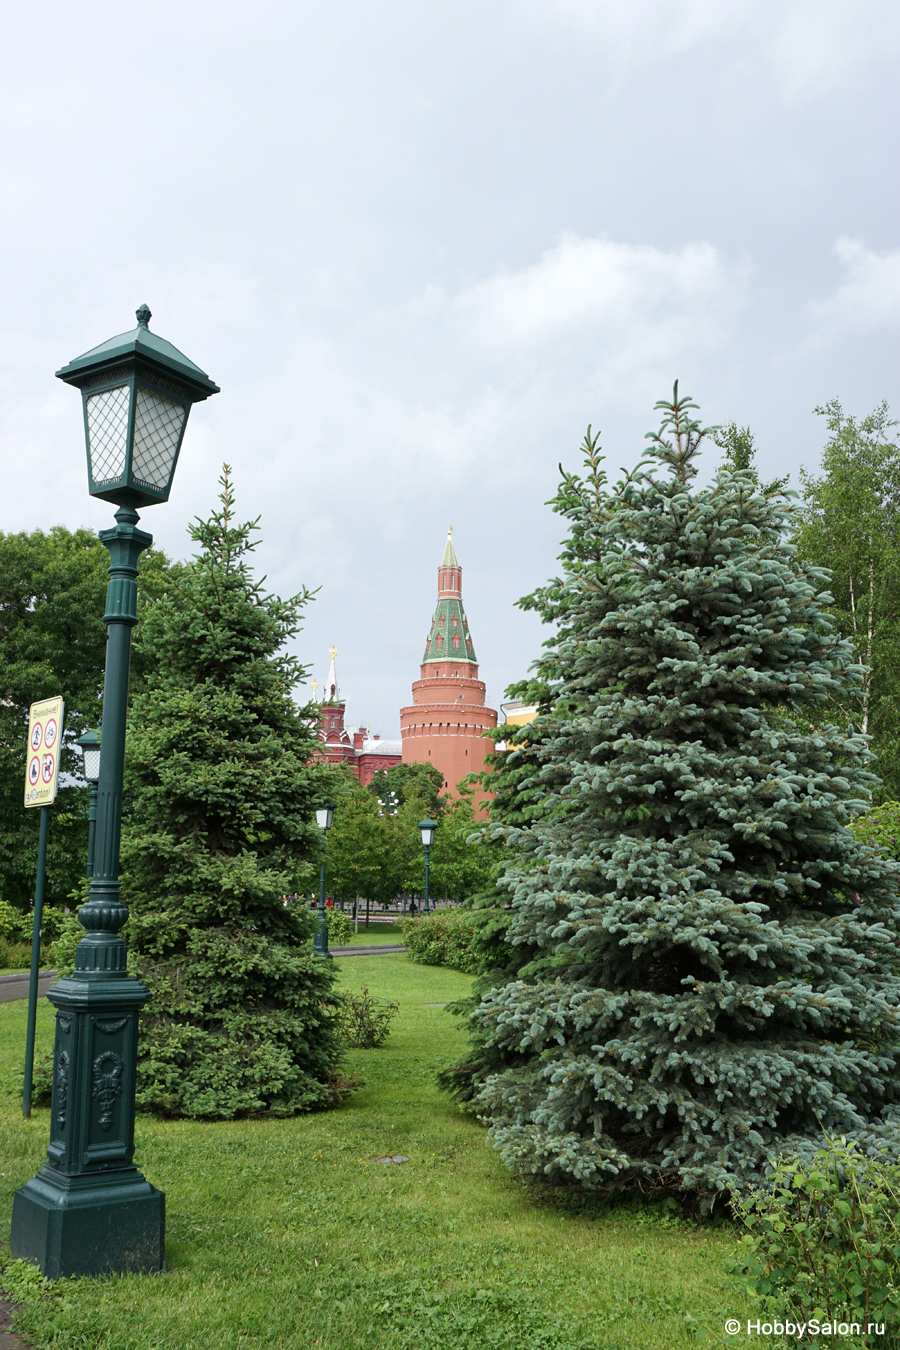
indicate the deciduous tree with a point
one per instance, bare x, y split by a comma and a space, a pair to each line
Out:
850, 523
53, 641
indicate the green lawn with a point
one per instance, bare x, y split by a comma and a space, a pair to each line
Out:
383, 933
287, 1234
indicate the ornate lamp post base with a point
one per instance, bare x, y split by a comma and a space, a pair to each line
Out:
89, 1211
85, 1228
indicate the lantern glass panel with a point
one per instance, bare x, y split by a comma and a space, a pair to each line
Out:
323, 817
158, 423
107, 420
92, 764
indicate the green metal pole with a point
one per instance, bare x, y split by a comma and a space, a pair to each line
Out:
320, 943
35, 960
92, 830
427, 862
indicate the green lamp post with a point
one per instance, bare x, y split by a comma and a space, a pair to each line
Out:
427, 828
324, 817
89, 1211
89, 744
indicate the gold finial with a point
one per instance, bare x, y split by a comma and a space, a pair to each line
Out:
332, 652
449, 530
315, 685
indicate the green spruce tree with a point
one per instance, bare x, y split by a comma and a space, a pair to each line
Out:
221, 827
701, 961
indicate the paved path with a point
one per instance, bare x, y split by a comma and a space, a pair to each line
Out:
16, 986
8, 1339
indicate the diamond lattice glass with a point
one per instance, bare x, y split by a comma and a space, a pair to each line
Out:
107, 419
157, 431
92, 764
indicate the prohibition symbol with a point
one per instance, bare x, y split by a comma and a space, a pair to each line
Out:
34, 771
50, 734
36, 735
48, 766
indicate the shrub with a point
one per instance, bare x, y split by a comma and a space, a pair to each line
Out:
823, 1242
13, 923
880, 828
446, 938
340, 928
15, 955
364, 1020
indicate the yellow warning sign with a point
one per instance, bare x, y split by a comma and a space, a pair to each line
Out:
45, 725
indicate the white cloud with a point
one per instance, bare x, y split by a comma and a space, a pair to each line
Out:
809, 46
627, 297
418, 397
868, 296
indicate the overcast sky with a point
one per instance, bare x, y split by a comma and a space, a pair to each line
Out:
420, 247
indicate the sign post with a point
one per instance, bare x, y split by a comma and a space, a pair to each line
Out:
45, 722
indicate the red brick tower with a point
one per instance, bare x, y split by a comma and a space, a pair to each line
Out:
446, 723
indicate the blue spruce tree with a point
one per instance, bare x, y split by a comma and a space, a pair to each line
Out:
705, 968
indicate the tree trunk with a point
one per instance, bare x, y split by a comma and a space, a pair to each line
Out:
867, 682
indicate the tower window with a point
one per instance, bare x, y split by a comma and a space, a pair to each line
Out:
438, 642
456, 640
440, 621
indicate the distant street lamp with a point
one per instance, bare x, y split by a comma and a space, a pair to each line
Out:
324, 817
89, 1211
427, 828
90, 754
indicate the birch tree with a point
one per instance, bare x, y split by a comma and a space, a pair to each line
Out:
850, 523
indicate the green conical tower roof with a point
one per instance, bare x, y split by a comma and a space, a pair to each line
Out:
450, 559
449, 638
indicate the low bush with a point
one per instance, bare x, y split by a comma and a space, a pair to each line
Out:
823, 1244
340, 929
15, 955
880, 827
364, 1020
14, 925
445, 938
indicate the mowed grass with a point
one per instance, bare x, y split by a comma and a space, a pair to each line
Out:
288, 1233
385, 934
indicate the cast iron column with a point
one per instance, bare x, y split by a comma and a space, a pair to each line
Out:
89, 1210
92, 830
320, 941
